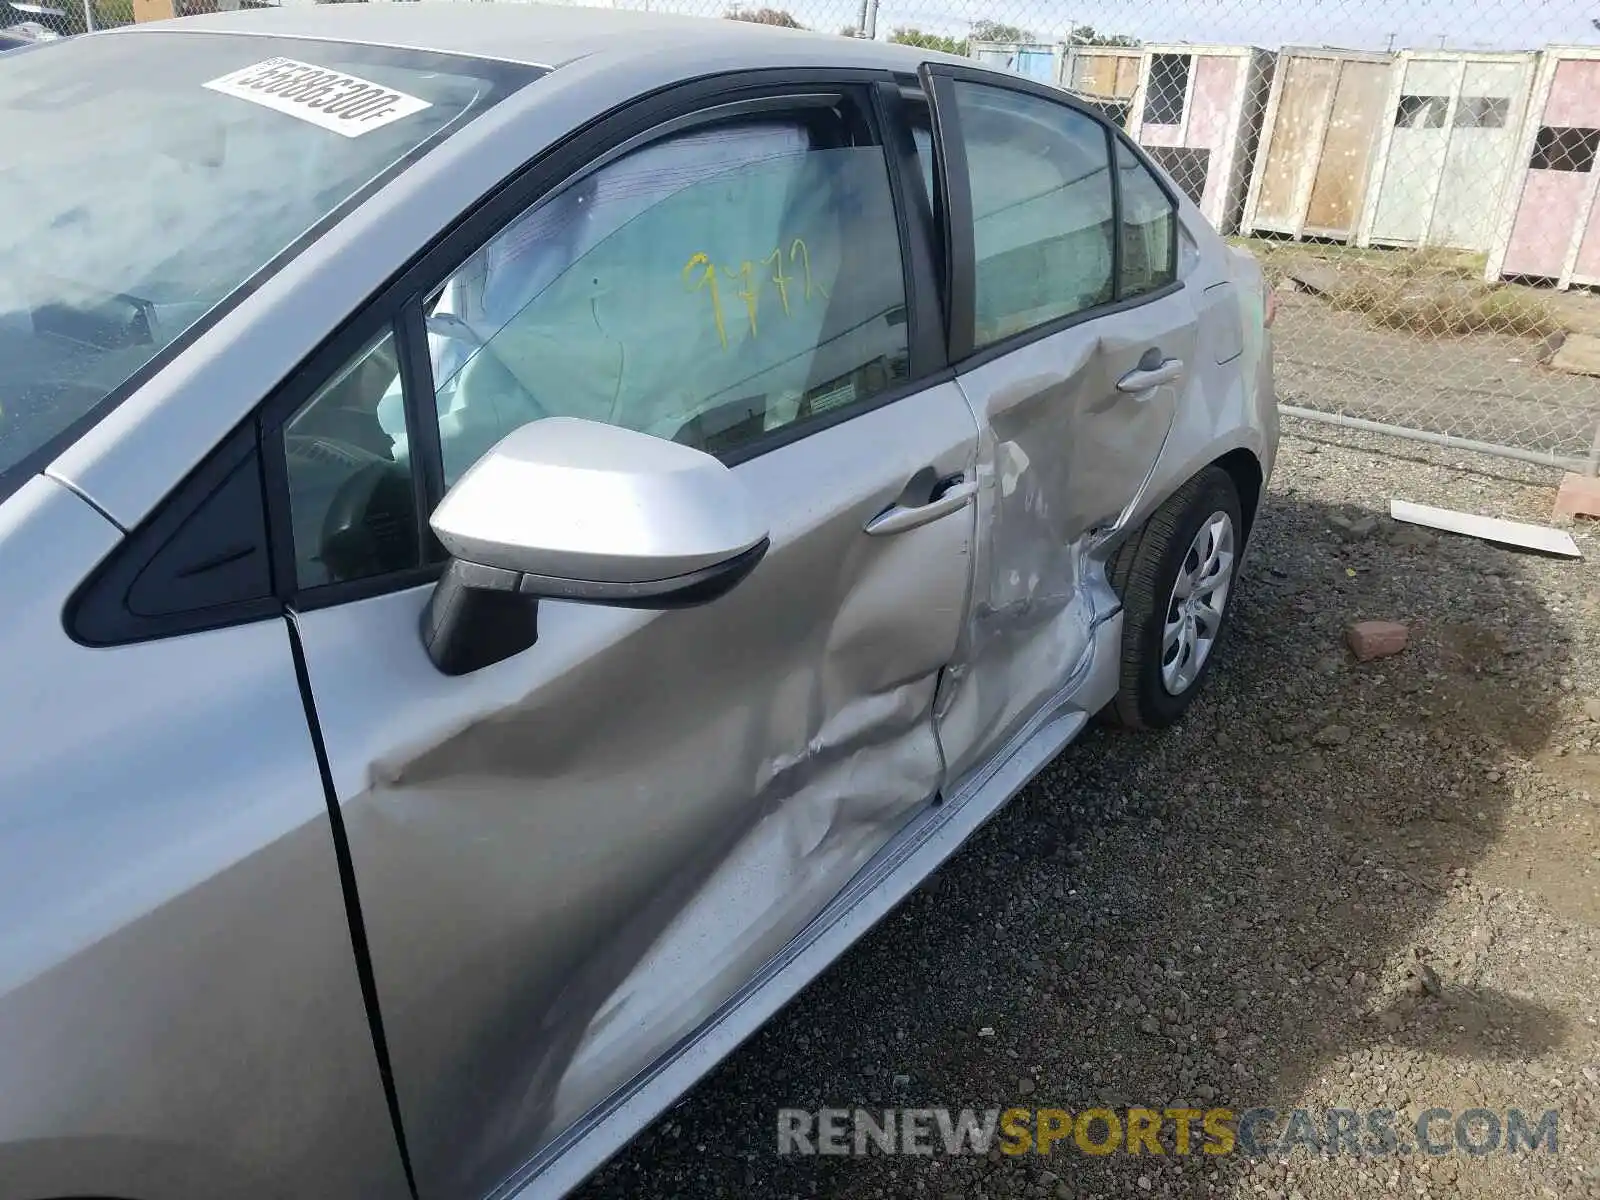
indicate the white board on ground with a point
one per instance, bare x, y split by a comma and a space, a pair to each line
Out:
1489, 529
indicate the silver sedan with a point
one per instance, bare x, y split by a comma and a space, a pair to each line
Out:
523, 532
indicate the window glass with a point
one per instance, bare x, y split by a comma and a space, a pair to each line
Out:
1149, 227
922, 135
145, 180
1167, 90
1564, 148
350, 493
709, 288
1041, 209
1421, 112
1482, 112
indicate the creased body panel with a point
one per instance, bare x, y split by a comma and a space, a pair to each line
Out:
180, 1015
572, 858
1063, 456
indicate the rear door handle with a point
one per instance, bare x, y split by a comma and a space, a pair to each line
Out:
1143, 379
898, 518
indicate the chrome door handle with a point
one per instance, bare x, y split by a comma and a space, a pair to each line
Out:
1142, 380
898, 518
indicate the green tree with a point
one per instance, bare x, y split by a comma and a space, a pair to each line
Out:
929, 41
764, 16
110, 13
995, 31
1087, 35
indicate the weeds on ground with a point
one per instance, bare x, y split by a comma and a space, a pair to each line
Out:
1441, 307
1433, 292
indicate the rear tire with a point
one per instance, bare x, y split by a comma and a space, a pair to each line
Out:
1176, 577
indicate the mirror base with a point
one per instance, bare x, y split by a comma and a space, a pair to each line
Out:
477, 617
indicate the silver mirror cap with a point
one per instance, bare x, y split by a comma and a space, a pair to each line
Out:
572, 499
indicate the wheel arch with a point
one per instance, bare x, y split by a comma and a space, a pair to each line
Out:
1245, 469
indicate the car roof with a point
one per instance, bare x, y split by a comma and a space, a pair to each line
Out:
542, 34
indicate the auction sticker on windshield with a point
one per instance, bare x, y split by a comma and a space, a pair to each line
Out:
343, 103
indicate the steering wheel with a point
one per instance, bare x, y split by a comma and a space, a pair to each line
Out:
369, 525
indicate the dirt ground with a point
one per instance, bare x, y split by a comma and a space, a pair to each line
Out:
1232, 912
1488, 386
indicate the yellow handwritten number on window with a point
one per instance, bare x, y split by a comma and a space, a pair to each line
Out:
700, 275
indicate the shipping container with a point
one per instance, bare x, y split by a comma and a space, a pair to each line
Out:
1447, 151
1107, 74
1035, 60
1547, 227
1197, 110
1325, 112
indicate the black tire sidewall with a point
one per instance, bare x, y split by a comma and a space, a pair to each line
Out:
1214, 493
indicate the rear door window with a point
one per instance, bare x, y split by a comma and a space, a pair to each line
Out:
1039, 175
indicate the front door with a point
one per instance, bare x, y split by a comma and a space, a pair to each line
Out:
1080, 342
569, 860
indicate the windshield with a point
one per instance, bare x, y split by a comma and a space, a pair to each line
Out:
151, 176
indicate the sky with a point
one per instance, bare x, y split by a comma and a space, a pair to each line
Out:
1354, 24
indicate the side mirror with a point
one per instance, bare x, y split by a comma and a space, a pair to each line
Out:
578, 510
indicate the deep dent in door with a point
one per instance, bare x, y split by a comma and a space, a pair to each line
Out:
809, 820
1054, 462
639, 912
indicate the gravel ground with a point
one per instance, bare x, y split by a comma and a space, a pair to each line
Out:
1228, 913
1488, 387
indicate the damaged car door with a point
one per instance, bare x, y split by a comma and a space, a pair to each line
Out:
571, 858
1076, 341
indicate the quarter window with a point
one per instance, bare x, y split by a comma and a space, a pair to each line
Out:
1042, 213
351, 501
710, 288
1149, 228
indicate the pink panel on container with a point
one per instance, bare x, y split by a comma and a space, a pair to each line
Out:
1574, 95
1215, 85
1588, 265
1161, 135
1550, 204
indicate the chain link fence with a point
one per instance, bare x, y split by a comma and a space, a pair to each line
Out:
1418, 177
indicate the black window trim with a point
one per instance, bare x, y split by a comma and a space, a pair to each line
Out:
98, 613
921, 253
939, 81
642, 120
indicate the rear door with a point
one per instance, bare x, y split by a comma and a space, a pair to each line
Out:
569, 860
1074, 341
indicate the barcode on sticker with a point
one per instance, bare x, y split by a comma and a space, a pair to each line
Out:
343, 103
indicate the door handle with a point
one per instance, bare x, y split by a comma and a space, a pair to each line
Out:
898, 518
1143, 379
